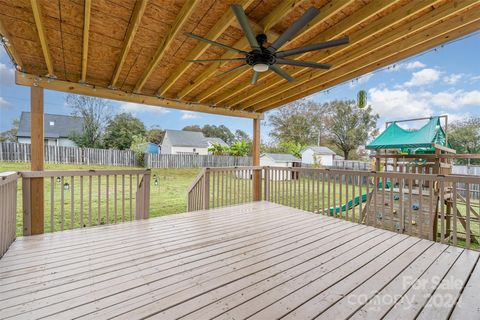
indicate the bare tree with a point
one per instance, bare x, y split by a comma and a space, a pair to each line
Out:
96, 114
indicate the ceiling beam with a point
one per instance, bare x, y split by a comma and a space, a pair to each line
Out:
326, 12
340, 29
385, 40
217, 30
135, 19
86, 33
88, 90
9, 48
37, 16
428, 39
182, 18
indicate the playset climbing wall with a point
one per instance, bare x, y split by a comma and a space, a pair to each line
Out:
405, 212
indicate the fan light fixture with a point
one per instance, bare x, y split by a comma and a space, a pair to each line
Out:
261, 67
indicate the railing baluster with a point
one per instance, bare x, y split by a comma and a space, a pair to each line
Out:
89, 201
115, 198
82, 224
130, 198
455, 213
442, 212
99, 199
123, 198
410, 208
107, 199
52, 204
467, 215
72, 202
62, 203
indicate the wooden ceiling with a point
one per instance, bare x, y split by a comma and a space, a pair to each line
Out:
136, 50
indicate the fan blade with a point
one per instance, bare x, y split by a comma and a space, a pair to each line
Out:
215, 43
255, 77
233, 69
217, 60
247, 30
312, 47
311, 13
281, 73
303, 64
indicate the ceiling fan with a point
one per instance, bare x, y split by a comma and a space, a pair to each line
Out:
262, 58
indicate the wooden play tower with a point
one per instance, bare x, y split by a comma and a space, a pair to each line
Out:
412, 203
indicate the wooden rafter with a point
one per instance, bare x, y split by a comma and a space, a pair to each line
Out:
37, 15
340, 29
86, 33
389, 55
5, 38
129, 36
386, 40
325, 13
217, 30
76, 88
182, 18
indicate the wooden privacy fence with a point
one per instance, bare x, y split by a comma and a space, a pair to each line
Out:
84, 198
351, 165
20, 152
194, 161
8, 209
423, 205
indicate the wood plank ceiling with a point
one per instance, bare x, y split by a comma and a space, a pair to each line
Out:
136, 50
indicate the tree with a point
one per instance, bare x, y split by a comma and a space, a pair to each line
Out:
121, 129
155, 135
96, 113
218, 150
241, 135
350, 126
220, 131
301, 122
10, 135
138, 147
194, 128
464, 136
239, 149
292, 148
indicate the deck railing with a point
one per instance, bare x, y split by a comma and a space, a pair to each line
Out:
84, 198
436, 207
8, 209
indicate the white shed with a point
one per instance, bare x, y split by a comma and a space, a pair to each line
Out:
280, 160
320, 155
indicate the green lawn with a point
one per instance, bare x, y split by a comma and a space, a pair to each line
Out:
166, 198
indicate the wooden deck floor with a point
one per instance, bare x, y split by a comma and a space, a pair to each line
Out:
261, 260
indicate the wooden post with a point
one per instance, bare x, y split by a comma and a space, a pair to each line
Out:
37, 149
206, 189
257, 174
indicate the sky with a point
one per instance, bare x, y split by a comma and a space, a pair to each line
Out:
445, 80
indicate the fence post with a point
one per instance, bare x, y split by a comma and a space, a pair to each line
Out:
266, 175
206, 189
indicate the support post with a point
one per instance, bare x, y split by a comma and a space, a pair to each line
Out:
257, 173
37, 149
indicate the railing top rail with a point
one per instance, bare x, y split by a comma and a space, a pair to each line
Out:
8, 176
70, 173
238, 168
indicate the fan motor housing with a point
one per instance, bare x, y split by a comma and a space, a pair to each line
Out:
264, 57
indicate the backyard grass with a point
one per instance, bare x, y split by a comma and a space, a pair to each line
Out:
168, 197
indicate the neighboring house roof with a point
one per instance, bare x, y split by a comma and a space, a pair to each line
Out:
219, 141
320, 150
281, 157
180, 138
55, 125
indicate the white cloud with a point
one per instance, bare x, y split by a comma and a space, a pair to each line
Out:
187, 115
360, 81
452, 78
423, 77
4, 103
406, 65
7, 75
403, 103
138, 107
398, 103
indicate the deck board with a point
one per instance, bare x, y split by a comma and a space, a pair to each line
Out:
258, 260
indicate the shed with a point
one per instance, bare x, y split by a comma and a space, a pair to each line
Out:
323, 156
280, 160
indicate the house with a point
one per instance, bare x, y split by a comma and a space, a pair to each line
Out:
57, 129
184, 142
212, 140
323, 156
280, 160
